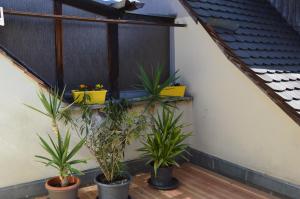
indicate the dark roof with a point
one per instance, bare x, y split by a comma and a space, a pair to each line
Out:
257, 39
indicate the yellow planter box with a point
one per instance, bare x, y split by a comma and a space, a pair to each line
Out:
96, 97
173, 91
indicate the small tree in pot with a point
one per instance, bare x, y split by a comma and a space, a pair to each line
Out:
163, 146
107, 142
65, 186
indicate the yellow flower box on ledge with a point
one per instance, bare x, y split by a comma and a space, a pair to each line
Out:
95, 96
173, 91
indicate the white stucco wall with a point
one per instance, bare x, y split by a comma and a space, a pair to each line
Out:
20, 125
233, 119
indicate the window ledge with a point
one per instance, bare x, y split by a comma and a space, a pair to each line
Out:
139, 101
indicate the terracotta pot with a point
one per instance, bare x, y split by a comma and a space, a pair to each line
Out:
57, 192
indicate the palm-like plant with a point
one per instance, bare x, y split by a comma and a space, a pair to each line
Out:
60, 155
153, 85
166, 142
53, 108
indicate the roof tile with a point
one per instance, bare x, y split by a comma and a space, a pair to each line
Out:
285, 95
266, 78
295, 104
261, 38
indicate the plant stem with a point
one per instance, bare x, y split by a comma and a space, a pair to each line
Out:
55, 127
64, 181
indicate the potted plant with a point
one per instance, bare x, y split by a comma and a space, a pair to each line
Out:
153, 85
60, 154
162, 146
107, 142
91, 95
159, 91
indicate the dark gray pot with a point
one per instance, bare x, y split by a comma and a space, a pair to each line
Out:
163, 178
69, 192
113, 191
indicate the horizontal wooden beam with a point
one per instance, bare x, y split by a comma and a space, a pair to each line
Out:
149, 18
94, 7
87, 19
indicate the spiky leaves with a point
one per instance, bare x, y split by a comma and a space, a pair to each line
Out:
153, 85
166, 142
61, 156
53, 107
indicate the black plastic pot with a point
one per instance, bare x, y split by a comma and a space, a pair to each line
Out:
69, 192
164, 179
113, 191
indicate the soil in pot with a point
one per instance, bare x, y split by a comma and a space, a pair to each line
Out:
164, 179
116, 190
57, 192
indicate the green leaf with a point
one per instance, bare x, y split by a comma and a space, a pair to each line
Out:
165, 143
75, 149
45, 145
42, 157
77, 162
37, 110
75, 171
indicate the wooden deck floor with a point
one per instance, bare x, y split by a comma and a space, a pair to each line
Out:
196, 183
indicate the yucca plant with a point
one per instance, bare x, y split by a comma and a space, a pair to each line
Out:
166, 141
53, 108
60, 154
153, 85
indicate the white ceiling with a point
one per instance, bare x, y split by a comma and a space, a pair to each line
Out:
152, 7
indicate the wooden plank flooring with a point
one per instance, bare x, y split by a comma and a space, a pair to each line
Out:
196, 183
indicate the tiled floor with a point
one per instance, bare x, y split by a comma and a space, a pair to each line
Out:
196, 183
